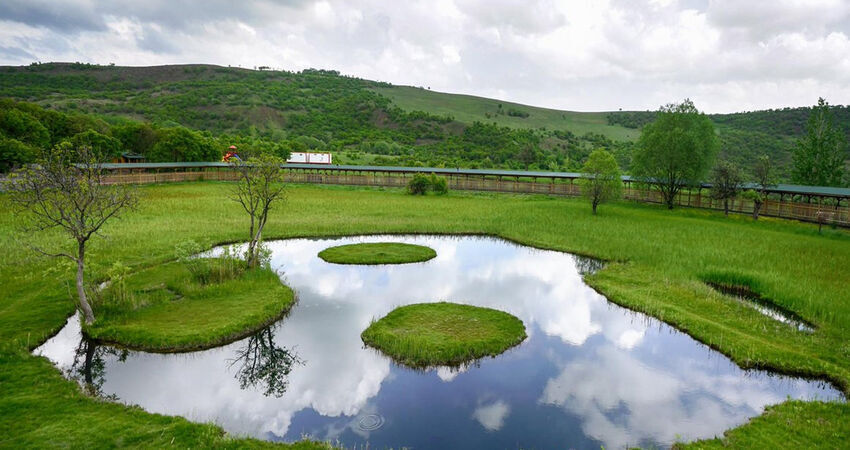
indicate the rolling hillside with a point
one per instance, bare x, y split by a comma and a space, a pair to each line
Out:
366, 122
468, 109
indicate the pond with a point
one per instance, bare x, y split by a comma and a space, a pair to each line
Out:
590, 373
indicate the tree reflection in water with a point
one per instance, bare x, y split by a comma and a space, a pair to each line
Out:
587, 265
264, 365
89, 364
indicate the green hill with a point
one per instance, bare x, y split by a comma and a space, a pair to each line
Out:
469, 108
360, 121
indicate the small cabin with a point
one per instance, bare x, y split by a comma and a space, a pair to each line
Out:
129, 157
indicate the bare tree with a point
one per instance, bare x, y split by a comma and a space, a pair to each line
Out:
764, 178
259, 185
65, 189
726, 183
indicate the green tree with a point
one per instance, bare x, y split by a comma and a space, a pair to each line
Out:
104, 145
600, 180
764, 178
135, 137
676, 150
726, 180
14, 153
819, 155
182, 144
23, 127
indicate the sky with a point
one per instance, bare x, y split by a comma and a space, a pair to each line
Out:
593, 55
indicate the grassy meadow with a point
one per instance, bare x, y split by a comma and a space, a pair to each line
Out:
658, 262
469, 109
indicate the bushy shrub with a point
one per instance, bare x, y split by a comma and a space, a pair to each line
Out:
439, 185
418, 185
186, 253
421, 184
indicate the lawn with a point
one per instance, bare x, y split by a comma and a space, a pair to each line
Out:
658, 262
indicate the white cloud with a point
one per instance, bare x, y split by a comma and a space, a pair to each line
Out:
581, 55
492, 416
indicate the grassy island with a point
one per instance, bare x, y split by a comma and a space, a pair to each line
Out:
377, 253
165, 309
443, 334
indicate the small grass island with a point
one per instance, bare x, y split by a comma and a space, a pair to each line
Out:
443, 334
167, 309
374, 253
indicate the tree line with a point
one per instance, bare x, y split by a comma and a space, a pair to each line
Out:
678, 149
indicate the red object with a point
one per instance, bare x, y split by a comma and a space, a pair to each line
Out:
232, 147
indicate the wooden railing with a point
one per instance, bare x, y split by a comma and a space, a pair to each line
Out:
817, 208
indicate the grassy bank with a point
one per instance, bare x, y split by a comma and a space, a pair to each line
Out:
659, 261
443, 334
174, 312
377, 253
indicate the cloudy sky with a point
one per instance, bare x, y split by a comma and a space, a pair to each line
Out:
586, 55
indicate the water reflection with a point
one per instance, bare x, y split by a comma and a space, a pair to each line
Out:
590, 373
263, 364
89, 366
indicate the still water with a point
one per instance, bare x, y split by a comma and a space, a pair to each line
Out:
590, 373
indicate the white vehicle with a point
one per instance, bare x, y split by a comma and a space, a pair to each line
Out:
309, 158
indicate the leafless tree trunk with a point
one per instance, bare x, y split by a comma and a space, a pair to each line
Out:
65, 190
259, 185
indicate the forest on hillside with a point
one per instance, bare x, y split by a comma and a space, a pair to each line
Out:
194, 112
307, 110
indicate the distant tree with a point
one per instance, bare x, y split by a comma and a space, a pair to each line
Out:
101, 144
259, 185
726, 180
23, 127
819, 156
65, 190
764, 178
527, 155
676, 150
135, 137
14, 153
183, 144
600, 180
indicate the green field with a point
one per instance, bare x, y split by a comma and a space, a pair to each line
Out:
469, 108
658, 261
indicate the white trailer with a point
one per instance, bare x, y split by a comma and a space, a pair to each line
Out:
309, 158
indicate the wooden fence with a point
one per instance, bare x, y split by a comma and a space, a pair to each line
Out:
830, 211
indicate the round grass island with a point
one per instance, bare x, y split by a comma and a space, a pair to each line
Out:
443, 334
167, 310
374, 253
